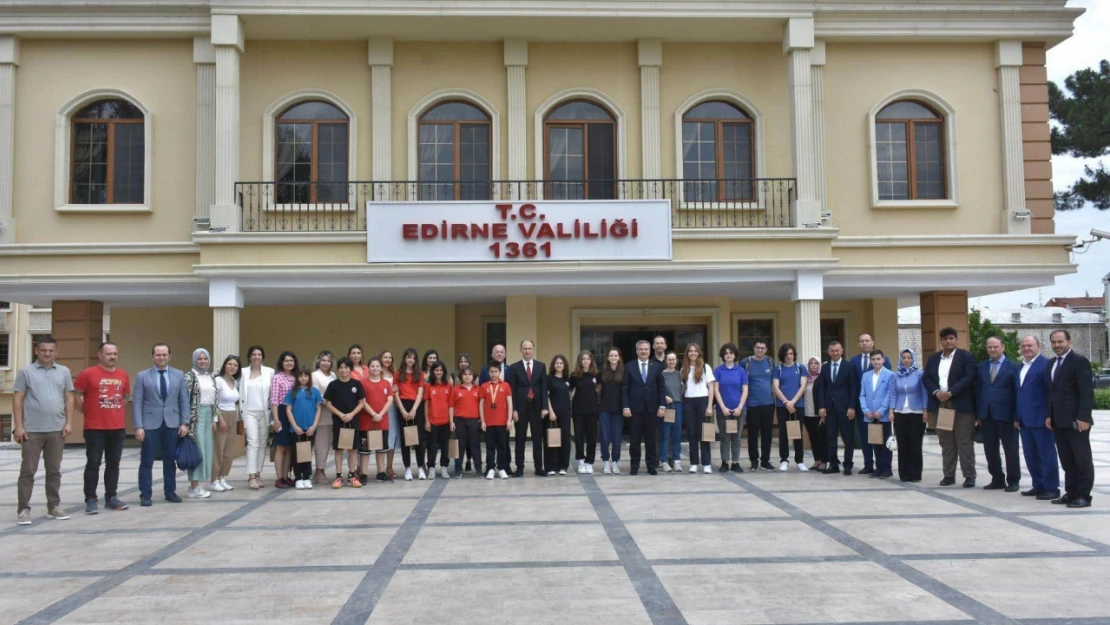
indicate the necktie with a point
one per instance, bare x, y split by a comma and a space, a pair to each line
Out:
162, 384
835, 367
1059, 361
994, 370
528, 370
643, 371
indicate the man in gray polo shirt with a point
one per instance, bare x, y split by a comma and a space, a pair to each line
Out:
43, 407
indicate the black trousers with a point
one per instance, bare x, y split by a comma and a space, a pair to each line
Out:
469, 433
839, 424
784, 442
585, 437
497, 447
529, 416
693, 417
643, 427
1074, 448
301, 470
818, 439
761, 420
1004, 432
909, 431
437, 442
421, 435
106, 444
558, 458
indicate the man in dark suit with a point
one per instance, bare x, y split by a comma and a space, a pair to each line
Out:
643, 398
949, 379
996, 415
528, 379
862, 364
1071, 398
1036, 438
837, 396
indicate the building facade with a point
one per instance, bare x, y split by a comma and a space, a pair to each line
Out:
214, 173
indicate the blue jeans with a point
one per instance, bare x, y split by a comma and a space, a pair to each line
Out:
165, 438
611, 429
670, 436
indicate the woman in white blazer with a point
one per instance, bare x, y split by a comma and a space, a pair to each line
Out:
876, 388
254, 406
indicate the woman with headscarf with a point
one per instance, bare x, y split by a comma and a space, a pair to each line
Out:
815, 425
908, 402
202, 404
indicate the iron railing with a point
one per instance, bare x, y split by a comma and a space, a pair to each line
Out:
342, 206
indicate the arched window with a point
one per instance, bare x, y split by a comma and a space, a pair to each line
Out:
454, 152
718, 146
108, 164
580, 140
909, 152
311, 152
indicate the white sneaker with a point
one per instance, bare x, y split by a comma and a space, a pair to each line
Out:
501, 474
693, 468
422, 475
607, 468
216, 487
677, 466
444, 474
784, 466
308, 484
802, 467
491, 474
667, 467
616, 468
581, 466
550, 473
589, 469
408, 475
299, 485
198, 493
562, 471
707, 469
228, 487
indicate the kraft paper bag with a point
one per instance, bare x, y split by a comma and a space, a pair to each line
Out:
411, 435
554, 437
668, 415
453, 449
793, 430
708, 432
732, 426
374, 440
875, 434
946, 419
346, 438
239, 428
304, 451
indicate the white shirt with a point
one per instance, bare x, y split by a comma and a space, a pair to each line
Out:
874, 380
226, 395
1059, 360
835, 372
207, 389
1025, 366
944, 368
642, 368
254, 393
320, 381
699, 389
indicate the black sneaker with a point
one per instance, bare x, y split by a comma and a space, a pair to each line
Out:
754, 467
115, 504
382, 477
767, 466
724, 467
736, 467
90, 507
362, 477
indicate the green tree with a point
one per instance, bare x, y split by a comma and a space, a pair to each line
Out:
980, 329
1082, 110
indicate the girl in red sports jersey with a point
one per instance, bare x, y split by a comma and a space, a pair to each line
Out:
439, 425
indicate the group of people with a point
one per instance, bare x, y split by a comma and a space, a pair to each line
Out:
355, 407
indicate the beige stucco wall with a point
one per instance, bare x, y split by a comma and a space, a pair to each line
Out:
859, 75
161, 75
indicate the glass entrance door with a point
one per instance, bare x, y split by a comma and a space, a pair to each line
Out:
599, 339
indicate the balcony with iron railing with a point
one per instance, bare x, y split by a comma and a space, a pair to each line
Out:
348, 206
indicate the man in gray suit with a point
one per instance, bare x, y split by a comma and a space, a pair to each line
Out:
160, 407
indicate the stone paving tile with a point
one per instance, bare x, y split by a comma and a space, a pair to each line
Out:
958, 535
190, 513
693, 506
1092, 526
20, 598
78, 552
511, 509
511, 543
283, 547
286, 511
861, 502
732, 539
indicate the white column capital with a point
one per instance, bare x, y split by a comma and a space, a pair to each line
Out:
797, 34
204, 53
380, 51
1008, 53
817, 57
808, 285
650, 52
227, 30
224, 293
9, 50
516, 52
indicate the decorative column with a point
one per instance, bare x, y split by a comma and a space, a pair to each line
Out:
817, 77
516, 62
204, 56
228, 42
225, 298
9, 59
797, 44
381, 101
650, 57
939, 310
1008, 61
807, 292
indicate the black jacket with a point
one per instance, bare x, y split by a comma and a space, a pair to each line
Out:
961, 381
1071, 394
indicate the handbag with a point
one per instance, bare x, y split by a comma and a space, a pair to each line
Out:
187, 454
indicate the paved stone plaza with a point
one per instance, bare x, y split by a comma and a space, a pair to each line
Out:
592, 550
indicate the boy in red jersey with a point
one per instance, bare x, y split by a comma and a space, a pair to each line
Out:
494, 409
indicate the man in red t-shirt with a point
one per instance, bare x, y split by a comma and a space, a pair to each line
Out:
102, 392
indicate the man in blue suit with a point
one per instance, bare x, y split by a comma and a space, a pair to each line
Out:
1032, 408
862, 364
643, 398
837, 399
996, 415
160, 408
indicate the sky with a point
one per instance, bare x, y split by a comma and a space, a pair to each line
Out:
1089, 45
